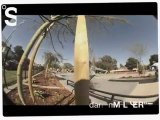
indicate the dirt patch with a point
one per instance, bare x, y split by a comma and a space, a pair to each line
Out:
44, 96
49, 81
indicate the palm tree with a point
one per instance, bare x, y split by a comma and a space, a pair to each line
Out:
50, 58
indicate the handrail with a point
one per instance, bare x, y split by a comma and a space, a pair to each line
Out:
72, 83
114, 94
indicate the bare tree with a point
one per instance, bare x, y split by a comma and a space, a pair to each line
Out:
138, 50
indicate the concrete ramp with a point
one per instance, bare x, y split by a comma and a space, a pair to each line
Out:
146, 89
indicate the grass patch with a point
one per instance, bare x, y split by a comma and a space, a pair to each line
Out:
11, 76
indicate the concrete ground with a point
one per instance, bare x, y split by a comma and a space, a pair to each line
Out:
102, 82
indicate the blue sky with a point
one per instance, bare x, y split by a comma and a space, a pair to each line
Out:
115, 41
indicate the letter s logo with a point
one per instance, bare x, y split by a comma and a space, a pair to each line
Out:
11, 16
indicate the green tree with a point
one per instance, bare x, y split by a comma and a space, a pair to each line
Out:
5, 58
153, 58
18, 52
121, 66
131, 63
51, 58
101, 65
68, 66
107, 63
7, 53
4, 44
56, 66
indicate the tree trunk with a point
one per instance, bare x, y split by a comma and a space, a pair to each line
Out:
81, 63
137, 67
46, 70
34, 52
25, 56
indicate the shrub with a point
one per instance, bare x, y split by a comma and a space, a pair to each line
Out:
123, 77
149, 75
140, 69
130, 77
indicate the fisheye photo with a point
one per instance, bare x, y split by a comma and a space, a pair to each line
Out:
101, 63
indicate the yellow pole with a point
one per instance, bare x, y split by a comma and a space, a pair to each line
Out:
81, 63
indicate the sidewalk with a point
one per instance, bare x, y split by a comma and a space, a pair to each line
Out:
63, 80
103, 83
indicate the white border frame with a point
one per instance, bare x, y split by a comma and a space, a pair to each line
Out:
100, 117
